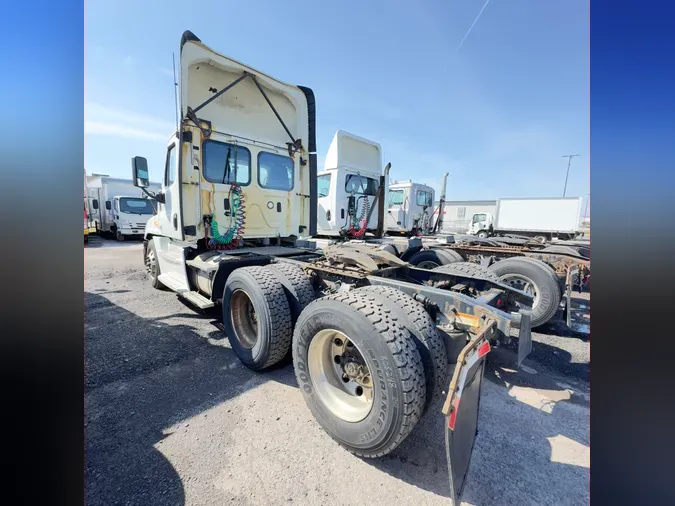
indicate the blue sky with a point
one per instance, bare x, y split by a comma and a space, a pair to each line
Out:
498, 113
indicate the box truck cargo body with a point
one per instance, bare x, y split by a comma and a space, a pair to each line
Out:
532, 217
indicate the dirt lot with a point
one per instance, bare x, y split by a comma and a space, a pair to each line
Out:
173, 418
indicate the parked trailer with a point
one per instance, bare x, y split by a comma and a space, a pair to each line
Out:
367, 331
543, 218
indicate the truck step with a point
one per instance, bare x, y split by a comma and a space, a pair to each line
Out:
173, 282
197, 299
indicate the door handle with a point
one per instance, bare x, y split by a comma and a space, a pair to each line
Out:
175, 221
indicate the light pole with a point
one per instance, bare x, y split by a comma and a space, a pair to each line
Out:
569, 161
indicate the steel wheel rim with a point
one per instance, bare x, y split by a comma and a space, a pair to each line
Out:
151, 262
428, 265
524, 284
340, 375
244, 319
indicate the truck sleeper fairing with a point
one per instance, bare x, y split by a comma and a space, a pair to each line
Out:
242, 127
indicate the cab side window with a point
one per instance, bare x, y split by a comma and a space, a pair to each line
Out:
323, 185
171, 167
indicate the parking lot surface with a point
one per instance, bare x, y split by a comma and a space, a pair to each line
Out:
172, 417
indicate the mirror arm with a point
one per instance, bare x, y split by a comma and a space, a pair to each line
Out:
151, 195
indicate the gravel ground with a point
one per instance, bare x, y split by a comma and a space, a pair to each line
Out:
173, 418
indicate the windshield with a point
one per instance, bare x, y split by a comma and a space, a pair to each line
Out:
423, 198
361, 185
136, 206
226, 163
395, 197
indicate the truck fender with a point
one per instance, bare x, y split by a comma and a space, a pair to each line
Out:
151, 228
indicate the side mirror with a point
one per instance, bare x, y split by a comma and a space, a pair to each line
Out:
139, 172
94, 204
108, 206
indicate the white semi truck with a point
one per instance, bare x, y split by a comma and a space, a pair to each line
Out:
410, 208
371, 337
543, 218
350, 187
117, 207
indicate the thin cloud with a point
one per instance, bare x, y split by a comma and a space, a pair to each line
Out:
118, 130
471, 27
114, 122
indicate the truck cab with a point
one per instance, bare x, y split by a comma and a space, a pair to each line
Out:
410, 208
126, 216
348, 186
481, 225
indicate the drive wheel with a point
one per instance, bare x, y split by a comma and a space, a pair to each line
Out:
256, 317
468, 269
423, 330
534, 278
435, 257
359, 372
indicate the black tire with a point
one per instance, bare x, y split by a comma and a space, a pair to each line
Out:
483, 234
430, 258
119, 236
151, 264
544, 279
268, 342
398, 402
390, 248
567, 250
423, 330
297, 285
468, 269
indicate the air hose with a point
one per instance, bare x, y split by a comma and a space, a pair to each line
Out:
231, 238
363, 219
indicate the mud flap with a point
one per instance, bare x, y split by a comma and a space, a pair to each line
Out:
461, 410
524, 336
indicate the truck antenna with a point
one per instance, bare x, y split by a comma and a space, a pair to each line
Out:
175, 88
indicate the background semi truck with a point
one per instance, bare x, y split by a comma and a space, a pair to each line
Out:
544, 218
410, 208
549, 273
371, 338
117, 207
351, 187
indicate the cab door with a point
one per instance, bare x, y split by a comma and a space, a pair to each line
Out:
276, 211
396, 209
169, 211
326, 212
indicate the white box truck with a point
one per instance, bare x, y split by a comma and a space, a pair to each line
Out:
542, 218
117, 207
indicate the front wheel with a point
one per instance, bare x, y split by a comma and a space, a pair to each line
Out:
119, 236
483, 234
151, 265
359, 371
